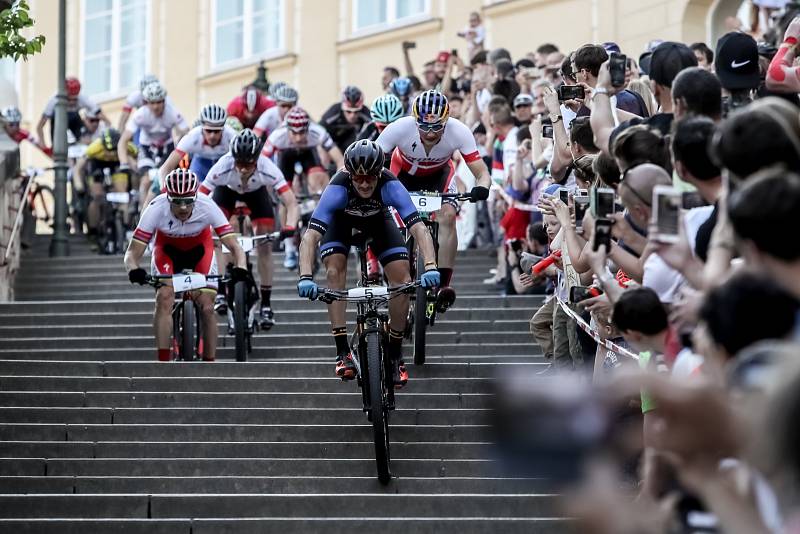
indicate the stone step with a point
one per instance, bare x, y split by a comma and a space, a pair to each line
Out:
133, 293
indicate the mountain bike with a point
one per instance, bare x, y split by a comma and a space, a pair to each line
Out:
422, 311
368, 344
114, 232
187, 325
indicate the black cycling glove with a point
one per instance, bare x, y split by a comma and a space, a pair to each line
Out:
137, 276
479, 193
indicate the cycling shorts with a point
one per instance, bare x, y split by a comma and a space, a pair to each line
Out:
149, 155
95, 170
308, 158
257, 201
387, 240
442, 181
170, 257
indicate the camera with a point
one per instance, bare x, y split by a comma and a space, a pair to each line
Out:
571, 92
667, 202
563, 195
581, 200
547, 131
602, 202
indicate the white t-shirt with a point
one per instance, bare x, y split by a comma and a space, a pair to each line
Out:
156, 131
224, 174
411, 156
280, 140
82, 103
194, 144
510, 153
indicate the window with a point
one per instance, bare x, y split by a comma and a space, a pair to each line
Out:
375, 13
115, 40
246, 28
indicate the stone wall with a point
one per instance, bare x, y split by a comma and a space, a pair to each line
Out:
9, 205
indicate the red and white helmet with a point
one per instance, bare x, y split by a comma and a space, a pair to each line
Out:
181, 183
297, 120
73, 86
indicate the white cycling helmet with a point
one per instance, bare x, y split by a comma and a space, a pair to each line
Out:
11, 115
213, 116
181, 183
286, 94
146, 80
154, 92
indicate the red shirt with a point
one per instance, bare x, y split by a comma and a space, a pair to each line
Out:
24, 135
237, 108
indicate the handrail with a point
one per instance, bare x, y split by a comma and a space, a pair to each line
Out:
31, 173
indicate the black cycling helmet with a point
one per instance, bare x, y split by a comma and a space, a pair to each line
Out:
352, 97
364, 158
246, 146
110, 139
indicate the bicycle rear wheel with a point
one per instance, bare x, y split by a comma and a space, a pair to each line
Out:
420, 316
377, 381
239, 319
188, 331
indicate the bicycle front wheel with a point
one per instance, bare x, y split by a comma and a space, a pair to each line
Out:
420, 317
378, 407
188, 331
239, 319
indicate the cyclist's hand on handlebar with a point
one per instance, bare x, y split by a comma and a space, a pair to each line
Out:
239, 275
430, 278
307, 288
287, 231
137, 276
479, 193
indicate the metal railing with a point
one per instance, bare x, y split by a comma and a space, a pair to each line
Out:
31, 174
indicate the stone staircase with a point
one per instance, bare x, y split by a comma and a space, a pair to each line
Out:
95, 436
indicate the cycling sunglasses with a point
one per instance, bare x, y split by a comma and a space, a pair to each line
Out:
430, 127
182, 201
363, 178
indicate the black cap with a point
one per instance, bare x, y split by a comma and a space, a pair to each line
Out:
668, 59
736, 61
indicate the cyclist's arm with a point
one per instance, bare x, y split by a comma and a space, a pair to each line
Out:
104, 118
229, 240
122, 146
480, 171
337, 156
123, 119
292, 209
308, 248
134, 253
423, 237
40, 128
171, 163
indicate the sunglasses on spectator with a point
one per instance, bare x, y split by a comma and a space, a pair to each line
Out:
363, 178
430, 127
182, 201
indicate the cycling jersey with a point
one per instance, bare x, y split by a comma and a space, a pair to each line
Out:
342, 132
97, 151
135, 100
237, 108
158, 220
156, 130
279, 140
25, 135
369, 132
410, 155
72, 107
268, 122
224, 173
194, 144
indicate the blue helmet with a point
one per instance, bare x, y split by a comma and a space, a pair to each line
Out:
386, 109
430, 107
400, 87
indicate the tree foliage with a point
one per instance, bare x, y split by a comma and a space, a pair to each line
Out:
12, 43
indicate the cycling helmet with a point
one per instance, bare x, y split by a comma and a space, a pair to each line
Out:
181, 183
273, 89
213, 116
286, 93
250, 97
110, 139
154, 92
246, 146
400, 87
364, 158
11, 114
386, 109
352, 97
297, 120
73, 86
234, 123
146, 80
93, 113
430, 108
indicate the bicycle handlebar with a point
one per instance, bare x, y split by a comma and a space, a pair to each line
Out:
327, 295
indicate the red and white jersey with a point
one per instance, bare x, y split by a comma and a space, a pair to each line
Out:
280, 140
269, 121
224, 173
194, 144
83, 102
403, 135
158, 220
156, 131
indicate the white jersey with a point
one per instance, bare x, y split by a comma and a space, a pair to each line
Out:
156, 131
195, 145
280, 140
224, 173
135, 100
82, 103
158, 220
269, 121
411, 156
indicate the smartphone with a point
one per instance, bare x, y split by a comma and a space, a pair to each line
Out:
570, 92
602, 202
667, 202
580, 293
563, 195
582, 201
602, 234
547, 131
616, 66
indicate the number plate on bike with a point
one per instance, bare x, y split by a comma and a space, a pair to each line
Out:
76, 151
118, 197
247, 244
426, 203
367, 292
187, 282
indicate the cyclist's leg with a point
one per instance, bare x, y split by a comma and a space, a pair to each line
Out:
225, 198
316, 174
286, 162
263, 219
334, 248
161, 263
144, 164
204, 300
95, 179
446, 217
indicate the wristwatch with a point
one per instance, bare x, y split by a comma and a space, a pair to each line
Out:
600, 91
554, 118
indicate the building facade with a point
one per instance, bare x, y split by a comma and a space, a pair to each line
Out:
207, 50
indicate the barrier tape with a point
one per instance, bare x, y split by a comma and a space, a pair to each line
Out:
610, 345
